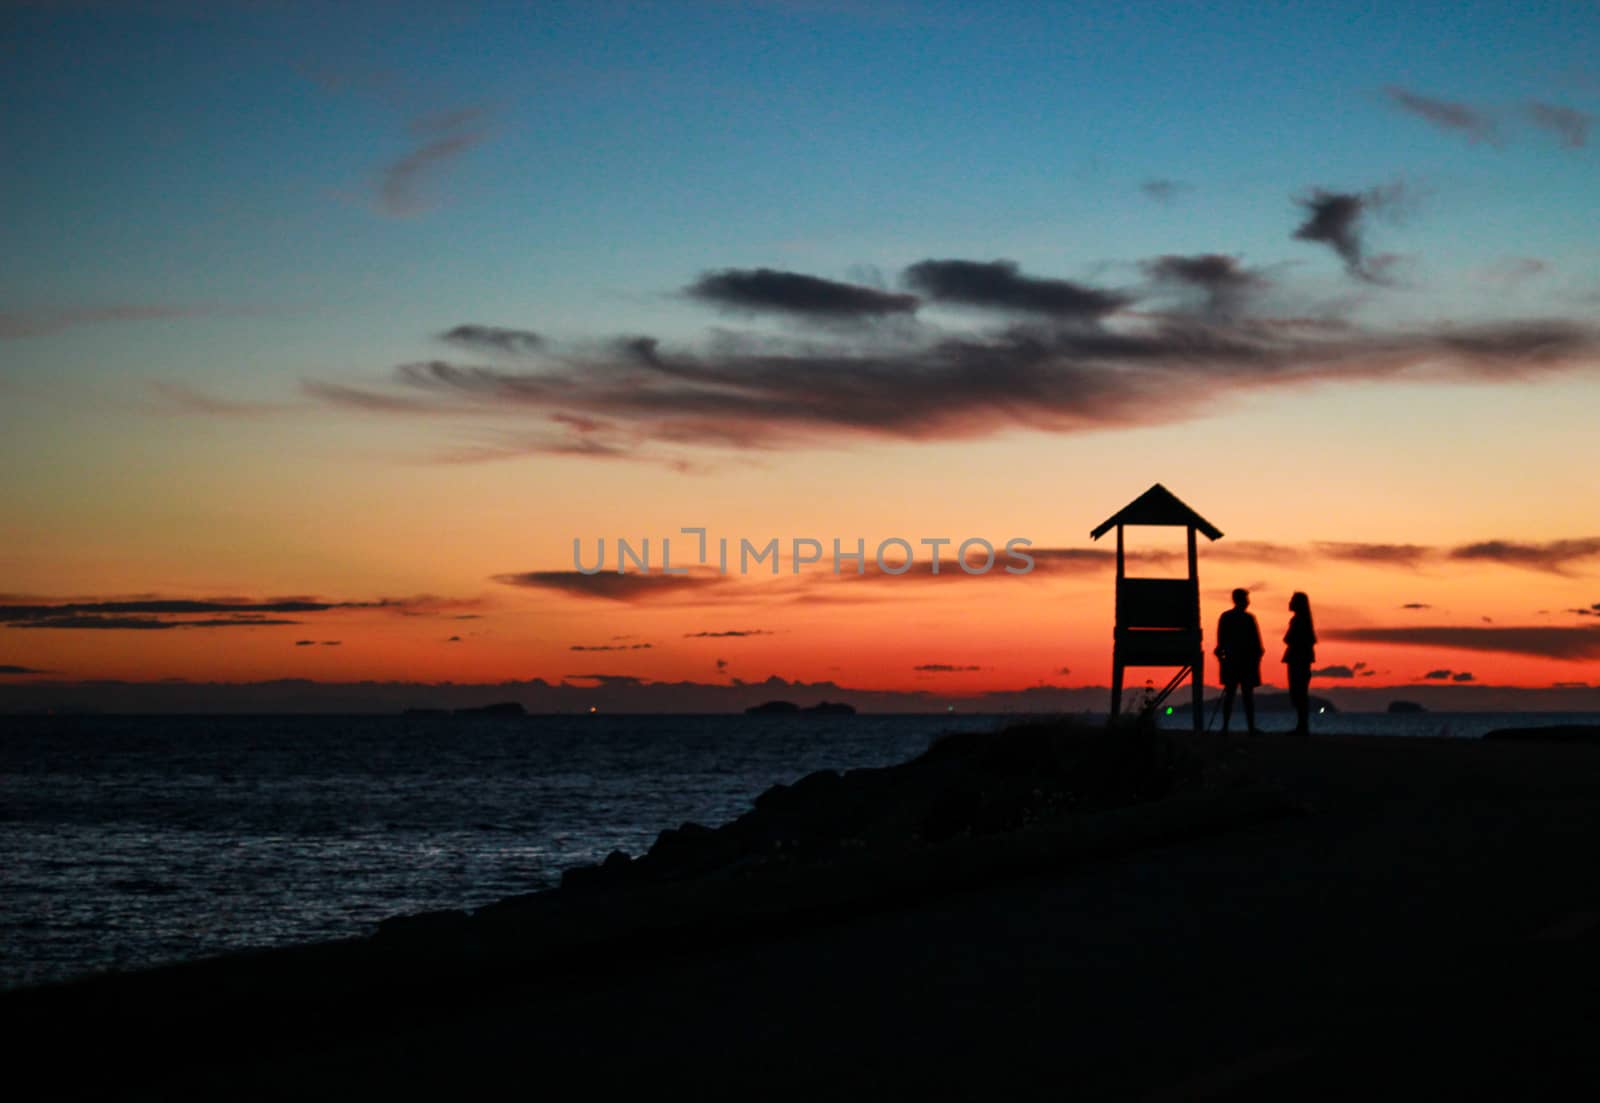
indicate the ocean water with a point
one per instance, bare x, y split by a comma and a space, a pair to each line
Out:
133, 841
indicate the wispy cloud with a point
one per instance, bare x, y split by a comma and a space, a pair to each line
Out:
1542, 642
497, 339
1386, 555
1567, 123
407, 185
159, 614
1554, 557
45, 321
1460, 118
1163, 190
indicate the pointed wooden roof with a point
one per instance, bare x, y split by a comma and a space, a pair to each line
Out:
1157, 506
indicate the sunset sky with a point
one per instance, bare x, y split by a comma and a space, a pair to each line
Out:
325, 330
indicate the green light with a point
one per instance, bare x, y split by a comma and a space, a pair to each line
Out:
1169, 710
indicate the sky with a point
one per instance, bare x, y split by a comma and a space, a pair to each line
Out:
327, 330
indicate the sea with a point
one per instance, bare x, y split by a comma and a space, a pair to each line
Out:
131, 841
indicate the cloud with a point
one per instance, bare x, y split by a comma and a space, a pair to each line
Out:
621, 681
1334, 672
1582, 642
1163, 190
1000, 285
945, 668
766, 289
1387, 555
611, 647
406, 183
305, 643
1437, 675
146, 624
1554, 557
733, 632
1445, 114
156, 614
1223, 280
497, 339
1337, 220
183, 399
1462, 676
1416, 605
332, 643
45, 321
1567, 123
1065, 670
8, 668
614, 586
640, 399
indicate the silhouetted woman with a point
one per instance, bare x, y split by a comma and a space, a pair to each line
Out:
1300, 653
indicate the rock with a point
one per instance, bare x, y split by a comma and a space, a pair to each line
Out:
424, 925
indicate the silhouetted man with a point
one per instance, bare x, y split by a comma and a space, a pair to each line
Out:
1239, 653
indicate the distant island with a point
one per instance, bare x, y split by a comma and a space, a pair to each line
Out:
1405, 706
788, 708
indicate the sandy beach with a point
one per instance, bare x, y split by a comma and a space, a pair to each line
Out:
1423, 918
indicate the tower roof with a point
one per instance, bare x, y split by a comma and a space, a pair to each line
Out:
1157, 506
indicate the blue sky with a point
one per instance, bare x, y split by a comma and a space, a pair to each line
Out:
227, 156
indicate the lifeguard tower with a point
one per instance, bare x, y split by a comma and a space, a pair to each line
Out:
1158, 619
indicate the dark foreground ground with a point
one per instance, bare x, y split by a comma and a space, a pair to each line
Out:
1430, 928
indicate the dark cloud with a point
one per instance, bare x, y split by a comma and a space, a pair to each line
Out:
512, 342
733, 632
945, 668
1554, 556
611, 647
1163, 190
305, 643
639, 399
156, 614
453, 639
1223, 280
1462, 118
1065, 670
1567, 123
332, 643
1542, 642
1437, 675
614, 586
1334, 672
1391, 555
1416, 605
1000, 285
406, 183
1462, 676
8, 668
767, 289
144, 624
1337, 220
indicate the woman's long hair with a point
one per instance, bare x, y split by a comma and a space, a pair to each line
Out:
1301, 605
